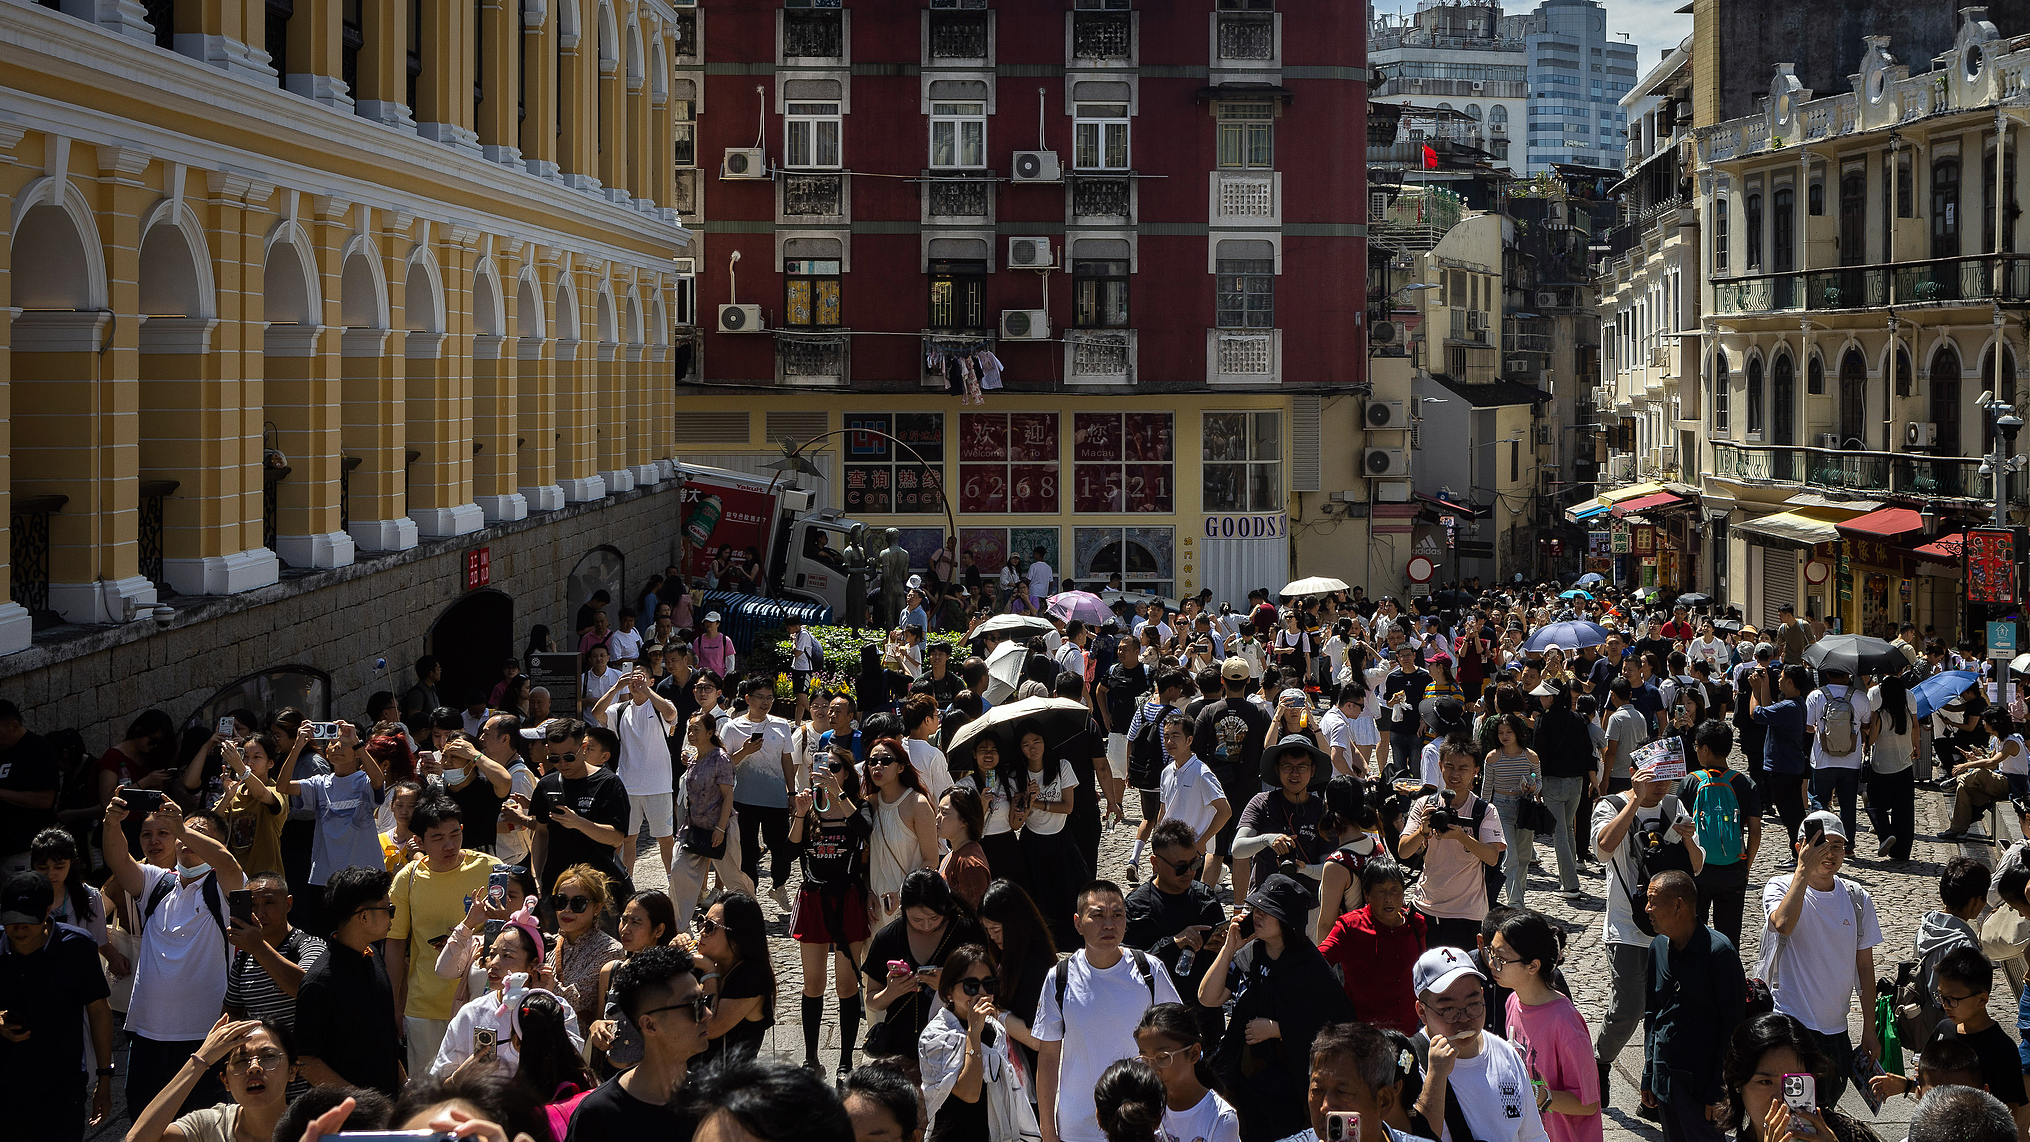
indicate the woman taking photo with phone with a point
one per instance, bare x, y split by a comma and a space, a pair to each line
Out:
900, 972
1765, 1049
829, 922
972, 1089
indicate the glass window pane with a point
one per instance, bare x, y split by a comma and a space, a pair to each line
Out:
1265, 490
942, 142
1117, 146
1268, 439
798, 302
1114, 303
799, 144
828, 302
828, 143
1225, 487
1225, 436
973, 152
1085, 145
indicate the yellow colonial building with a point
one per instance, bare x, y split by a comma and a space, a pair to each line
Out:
293, 286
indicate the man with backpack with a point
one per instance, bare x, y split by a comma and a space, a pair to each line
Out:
1228, 737
1144, 757
1963, 896
1638, 834
1835, 715
1818, 947
1086, 1019
1728, 819
1114, 700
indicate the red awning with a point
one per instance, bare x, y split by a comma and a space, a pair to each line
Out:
1647, 503
1885, 523
1945, 550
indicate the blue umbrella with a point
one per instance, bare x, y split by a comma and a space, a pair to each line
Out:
1568, 635
1941, 688
1590, 578
1576, 593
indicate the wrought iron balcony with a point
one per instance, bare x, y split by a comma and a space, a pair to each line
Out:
1898, 473
958, 198
1101, 37
1099, 199
812, 35
686, 28
1101, 356
1246, 38
811, 359
814, 195
958, 35
1979, 279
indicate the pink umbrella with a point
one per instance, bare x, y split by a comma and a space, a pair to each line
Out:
1069, 605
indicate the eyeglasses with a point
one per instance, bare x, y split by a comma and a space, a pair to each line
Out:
1497, 961
699, 1008
268, 1060
1945, 1000
563, 903
1472, 1010
707, 925
1294, 766
388, 908
1161, 1059
976, 986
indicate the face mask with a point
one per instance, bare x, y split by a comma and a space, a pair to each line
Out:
192, 871
453, 776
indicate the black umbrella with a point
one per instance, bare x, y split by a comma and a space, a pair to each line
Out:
1856, 654
1693, 600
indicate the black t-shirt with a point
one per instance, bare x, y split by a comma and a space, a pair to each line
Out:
1272, 813
598, 797
958, 1120
747, 980
832, 850
345, 1018
611, 1112
28, 766
679, 695
1080, 752
892, 943
1155, 915
1125, 685
1228, 737
943, 689
47, 993
2000, 1063
481, 808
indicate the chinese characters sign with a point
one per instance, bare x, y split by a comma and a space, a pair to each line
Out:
1991, 566
1008, 462
1123, 462
883, 477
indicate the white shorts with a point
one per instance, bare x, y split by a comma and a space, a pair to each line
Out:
1117, 755
659, 808
1365, 733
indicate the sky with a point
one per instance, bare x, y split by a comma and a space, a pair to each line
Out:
1652, 24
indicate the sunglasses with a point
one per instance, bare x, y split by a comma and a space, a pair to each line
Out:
698, 1008
876, 762
1180, 867
707, 926
976, 986
563, 903
572, 756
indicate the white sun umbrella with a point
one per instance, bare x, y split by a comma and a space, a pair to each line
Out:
1015, 626
1315, 585
2020, 664
1004, 671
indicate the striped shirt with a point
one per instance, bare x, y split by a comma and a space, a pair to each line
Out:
250, 987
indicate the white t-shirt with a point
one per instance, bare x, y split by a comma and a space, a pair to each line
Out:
1710, 649
624, 645
1070, 660
1428, 763
1815, 980
1337, 729
644, 764
931, 766
511, 843
1814, 706
1495, 1094
180, 969
1039, 581
1104, 1006
1051, 784
1212, 1120
593, 686
1188, 793
1620, 919
2018, 762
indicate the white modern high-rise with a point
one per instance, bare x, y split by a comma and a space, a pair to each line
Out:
1577, 77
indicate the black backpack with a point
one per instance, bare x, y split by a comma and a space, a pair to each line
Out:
1145, 754
1647, 856
210, 888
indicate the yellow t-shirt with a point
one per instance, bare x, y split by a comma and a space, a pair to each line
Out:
253, 829
427, 906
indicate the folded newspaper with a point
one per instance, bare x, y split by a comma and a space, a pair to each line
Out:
1663, 758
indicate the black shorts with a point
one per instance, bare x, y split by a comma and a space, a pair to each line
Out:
799, 681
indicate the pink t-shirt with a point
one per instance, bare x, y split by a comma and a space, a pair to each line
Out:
1553, 1041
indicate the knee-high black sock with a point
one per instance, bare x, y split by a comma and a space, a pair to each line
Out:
849, 1030
814, 1026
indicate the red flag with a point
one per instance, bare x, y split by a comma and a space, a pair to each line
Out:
1430, 158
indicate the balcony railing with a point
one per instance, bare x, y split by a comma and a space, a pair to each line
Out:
1101, 356
29, 550
1099, 199
1246, 38
958, 35
957, 198
820, 195
810, 359
1247, 198
1246, 354
812, 35
1902, 473
1977, 279
1101, 36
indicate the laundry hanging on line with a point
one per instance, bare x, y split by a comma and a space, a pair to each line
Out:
968, 369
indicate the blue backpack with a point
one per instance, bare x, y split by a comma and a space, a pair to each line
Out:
1717, 814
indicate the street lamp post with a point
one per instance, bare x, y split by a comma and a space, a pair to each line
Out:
1999, 463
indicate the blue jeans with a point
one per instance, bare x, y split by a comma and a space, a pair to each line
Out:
1566, 796
1521, 843
1846, 783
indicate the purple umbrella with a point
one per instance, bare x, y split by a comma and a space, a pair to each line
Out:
1085, 605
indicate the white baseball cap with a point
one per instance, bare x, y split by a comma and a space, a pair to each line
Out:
1439, 968
712, 616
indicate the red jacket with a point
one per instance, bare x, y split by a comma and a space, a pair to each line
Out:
1374, 967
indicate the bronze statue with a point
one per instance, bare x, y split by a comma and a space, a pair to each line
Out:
894, 578
856, 577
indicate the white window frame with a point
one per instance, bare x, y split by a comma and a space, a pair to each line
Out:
954, 121
803, 127
1095, 126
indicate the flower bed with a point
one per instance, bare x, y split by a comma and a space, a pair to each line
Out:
772, 653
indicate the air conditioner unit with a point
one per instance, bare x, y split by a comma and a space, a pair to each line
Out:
1030, 254
1547, 299
1667, 456
1546, 434
1385, 333
1025, 325
1038, 166
1513, 365
1476, 88
1389, 414
1920, 434
1658, 355
740, 319
744, 162
1385, 462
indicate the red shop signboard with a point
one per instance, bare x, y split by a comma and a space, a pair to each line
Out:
478, 568
1991, 565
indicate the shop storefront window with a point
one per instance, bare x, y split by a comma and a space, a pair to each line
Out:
1125, 462
991, 547
1144, 557
1008, 462
1243, 470
883, 478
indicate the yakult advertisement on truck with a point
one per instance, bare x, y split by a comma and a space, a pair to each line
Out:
726, 529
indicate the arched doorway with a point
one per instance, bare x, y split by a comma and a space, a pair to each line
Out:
1853, 400
471, 639
1945, 400
602, 569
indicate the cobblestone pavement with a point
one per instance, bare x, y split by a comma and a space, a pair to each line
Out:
1902, 893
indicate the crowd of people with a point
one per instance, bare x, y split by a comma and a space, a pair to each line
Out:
428, 918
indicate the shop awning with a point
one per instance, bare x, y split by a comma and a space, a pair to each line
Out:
1802, 527
1890, 524
1632, 491
1647, 503
1450, 507
1945, 549
1591, 509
